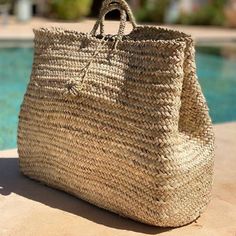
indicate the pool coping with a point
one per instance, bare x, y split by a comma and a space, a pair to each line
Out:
26, 42
23, 31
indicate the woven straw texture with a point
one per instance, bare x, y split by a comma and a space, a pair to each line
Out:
119, 121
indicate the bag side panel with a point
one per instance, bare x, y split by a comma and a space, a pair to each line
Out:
195, 121
194, 156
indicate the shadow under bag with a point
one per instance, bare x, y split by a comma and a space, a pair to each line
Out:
119, 120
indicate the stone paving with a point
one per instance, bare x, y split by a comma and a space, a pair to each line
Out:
29, 208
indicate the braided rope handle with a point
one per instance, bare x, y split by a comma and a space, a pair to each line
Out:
123, 18
110, 5
123, 4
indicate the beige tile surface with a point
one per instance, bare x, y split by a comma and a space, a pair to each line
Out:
28, 208
16, 30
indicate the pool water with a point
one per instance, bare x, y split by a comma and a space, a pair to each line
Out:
15, 67
217, 75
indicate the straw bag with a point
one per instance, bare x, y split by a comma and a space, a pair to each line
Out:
119, 120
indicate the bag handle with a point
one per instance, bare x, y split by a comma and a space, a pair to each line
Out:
123, 18
107, 10
110, 5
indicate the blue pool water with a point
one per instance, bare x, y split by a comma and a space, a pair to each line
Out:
216, 73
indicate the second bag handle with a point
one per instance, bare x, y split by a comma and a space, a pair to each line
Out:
109, 5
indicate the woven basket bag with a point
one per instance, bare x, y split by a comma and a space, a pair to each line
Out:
119, 120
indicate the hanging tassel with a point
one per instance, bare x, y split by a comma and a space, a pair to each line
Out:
73, 87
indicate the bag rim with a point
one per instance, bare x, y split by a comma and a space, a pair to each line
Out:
180, 39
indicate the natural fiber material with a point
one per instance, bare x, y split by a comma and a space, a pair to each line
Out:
119, 121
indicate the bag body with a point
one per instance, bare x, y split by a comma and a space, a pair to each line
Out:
119, 121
